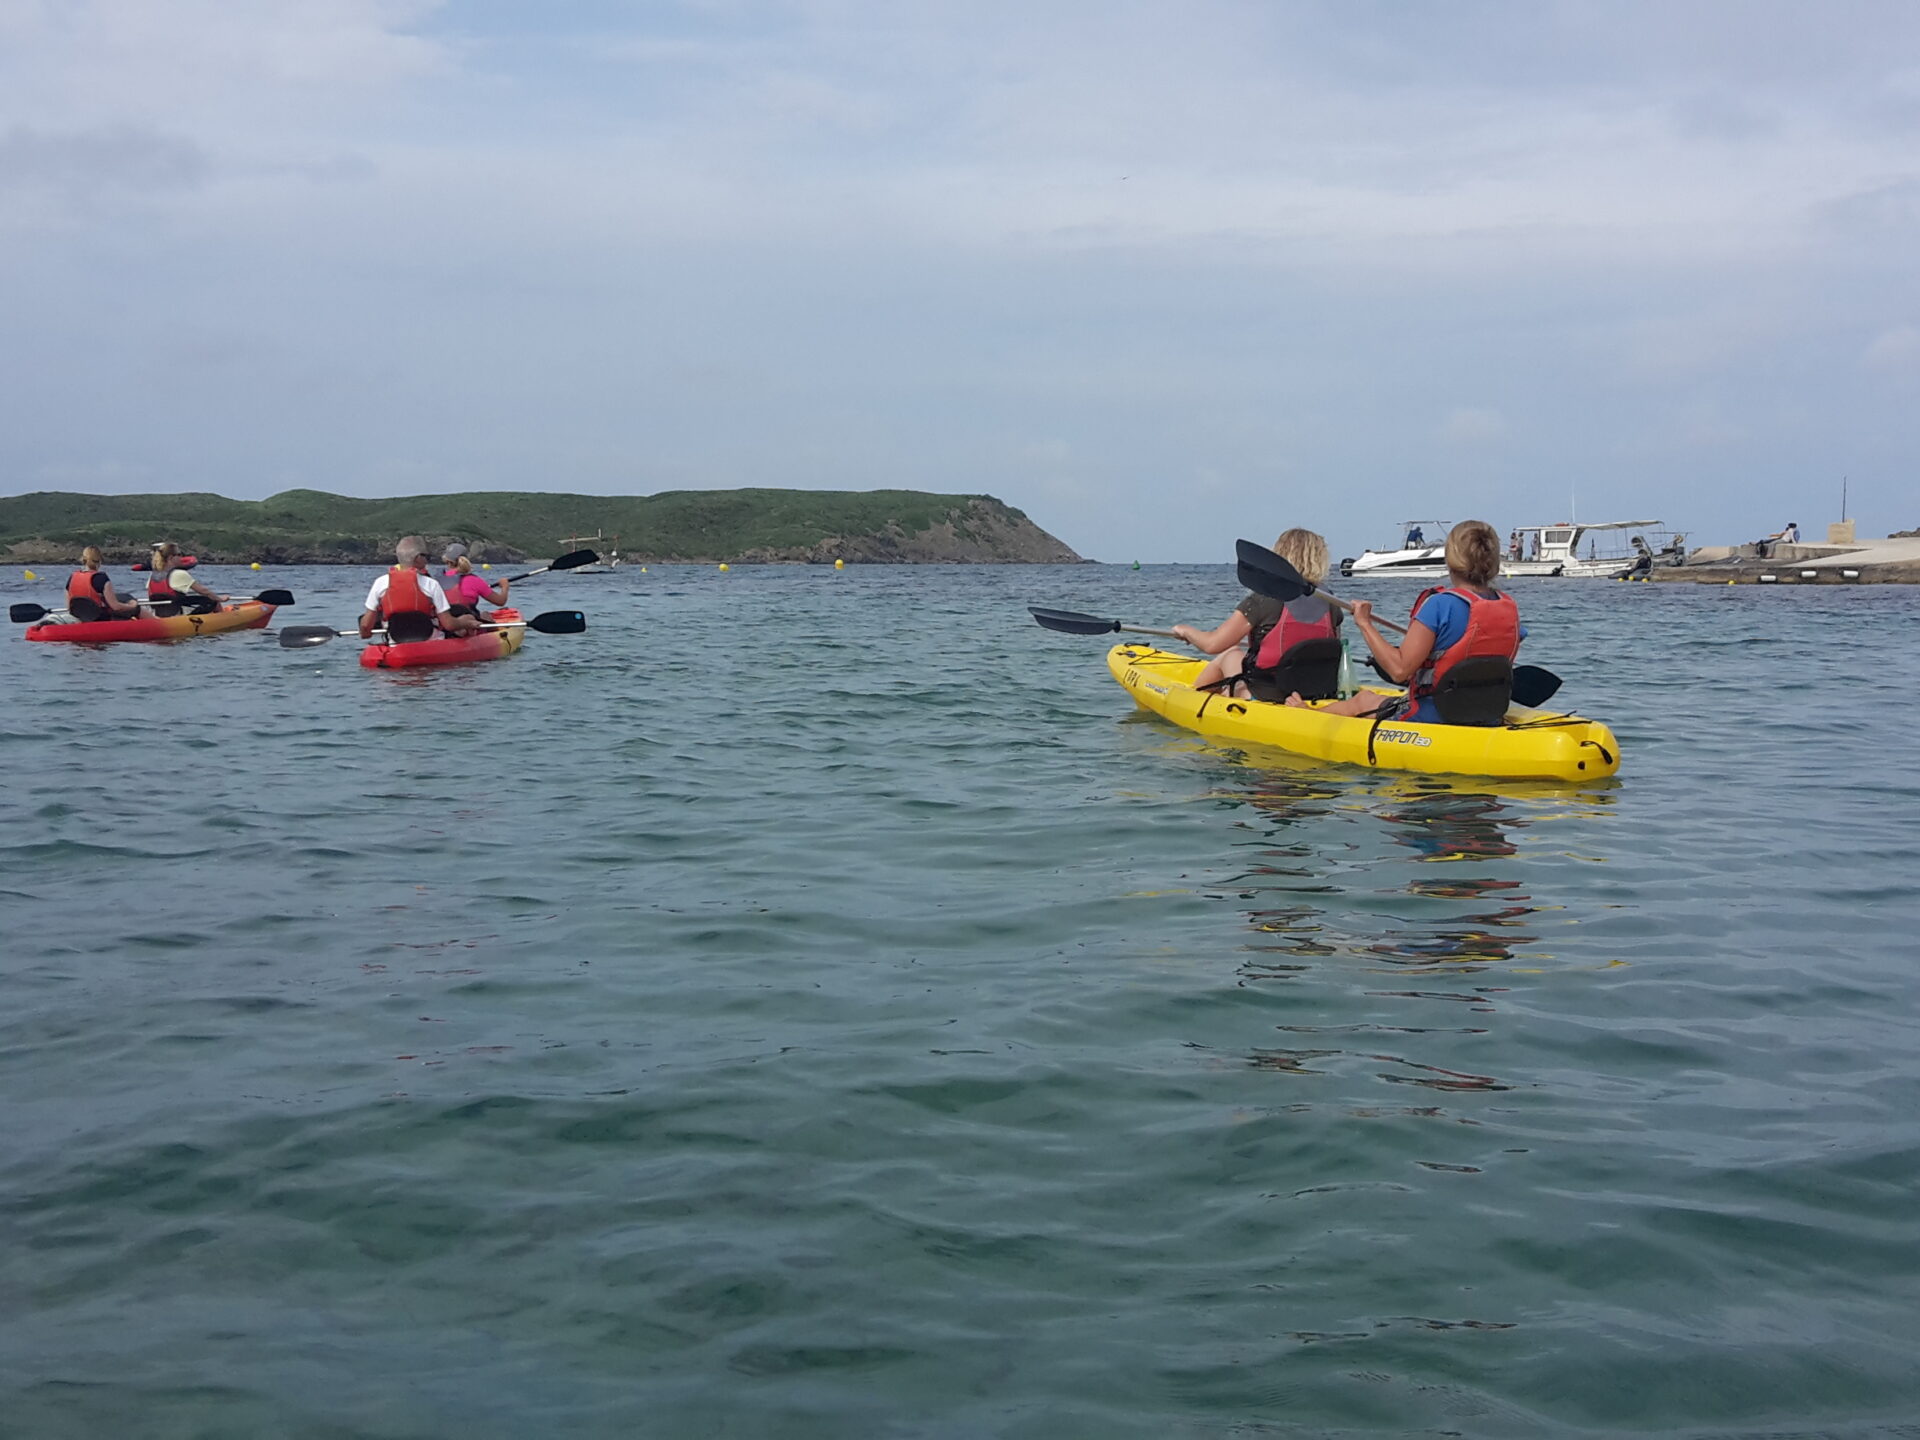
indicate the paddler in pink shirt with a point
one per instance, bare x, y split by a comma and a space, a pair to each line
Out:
465, 590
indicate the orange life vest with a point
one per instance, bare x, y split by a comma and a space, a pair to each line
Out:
87, 585
404, 595
1308, 618
1493, 632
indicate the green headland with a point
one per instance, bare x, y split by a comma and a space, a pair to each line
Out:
304, 527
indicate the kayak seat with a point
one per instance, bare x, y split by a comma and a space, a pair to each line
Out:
1312, 668
409, 627
83, 609
1475, 692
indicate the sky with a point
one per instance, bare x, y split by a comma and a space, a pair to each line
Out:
1158, 274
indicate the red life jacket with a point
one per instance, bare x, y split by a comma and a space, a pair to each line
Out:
1493, 632
159, 589
404, 595
87, 585
1291, 630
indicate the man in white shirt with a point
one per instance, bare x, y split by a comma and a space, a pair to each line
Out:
408, 589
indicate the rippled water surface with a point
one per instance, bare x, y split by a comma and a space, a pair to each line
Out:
818, 1004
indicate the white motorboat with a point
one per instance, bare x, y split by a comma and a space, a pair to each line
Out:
1610, 550
1544, 550
1417, 558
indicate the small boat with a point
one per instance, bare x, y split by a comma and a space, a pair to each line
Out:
494, 644
1416, 557
1551, 550
1611, 552
242, 615
1532, 745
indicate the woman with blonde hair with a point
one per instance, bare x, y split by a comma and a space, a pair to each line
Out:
465, 590
1461, 636
1269, 667
90, 593
173, 583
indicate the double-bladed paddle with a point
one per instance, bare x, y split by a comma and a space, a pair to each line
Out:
572, 560
27, 613
1266, 573
1073, 622
554, 622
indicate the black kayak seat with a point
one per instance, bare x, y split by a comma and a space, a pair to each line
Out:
83, 609
1477, 691
409, 627
1311, 668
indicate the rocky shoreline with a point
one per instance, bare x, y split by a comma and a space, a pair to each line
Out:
1893, 561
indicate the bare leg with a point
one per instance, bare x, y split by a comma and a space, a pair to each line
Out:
1362, 702
1223, 666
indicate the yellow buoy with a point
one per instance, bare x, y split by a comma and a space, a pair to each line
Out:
485, 566
254, 566
1729, 582
723, 564
839, 564
31, 576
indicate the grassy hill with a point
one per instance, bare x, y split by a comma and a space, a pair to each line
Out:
310, 526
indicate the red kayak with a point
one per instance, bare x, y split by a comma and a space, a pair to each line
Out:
243, 615
451, 649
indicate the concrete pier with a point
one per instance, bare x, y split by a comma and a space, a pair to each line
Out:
1866, 562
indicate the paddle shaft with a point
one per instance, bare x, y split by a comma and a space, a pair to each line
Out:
571, 561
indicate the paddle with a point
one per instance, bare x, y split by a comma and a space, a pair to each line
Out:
26, 613
572, 560
1072, 622
1266, 573
554, 622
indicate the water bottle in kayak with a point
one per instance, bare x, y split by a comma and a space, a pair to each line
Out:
1345, 685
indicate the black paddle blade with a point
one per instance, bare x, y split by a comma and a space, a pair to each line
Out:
1072, 622
26, 612
573, 560
1533, 686
275, 597
1265, 573
559, 622
297, 637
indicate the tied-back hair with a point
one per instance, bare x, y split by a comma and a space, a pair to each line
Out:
1473, 552
463, 565
92, 558
1306, 551
162, 558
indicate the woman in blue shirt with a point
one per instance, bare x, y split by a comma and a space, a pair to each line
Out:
1466, 619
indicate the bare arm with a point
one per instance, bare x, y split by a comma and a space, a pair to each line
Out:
1400, 662
1224, 636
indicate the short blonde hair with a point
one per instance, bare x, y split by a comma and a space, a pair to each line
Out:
1306, 552
92, 558
1473, 552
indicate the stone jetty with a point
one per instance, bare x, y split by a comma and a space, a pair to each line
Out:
1842, 560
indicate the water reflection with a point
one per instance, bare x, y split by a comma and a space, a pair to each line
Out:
1420, 878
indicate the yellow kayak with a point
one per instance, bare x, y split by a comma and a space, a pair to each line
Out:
1532, 745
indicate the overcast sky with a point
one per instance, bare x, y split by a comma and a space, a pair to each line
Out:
1158, 274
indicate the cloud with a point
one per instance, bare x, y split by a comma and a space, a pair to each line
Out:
84, 162
1895, 351
1067, 249
1471, 426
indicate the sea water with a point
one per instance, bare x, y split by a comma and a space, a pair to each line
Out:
817, 1003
